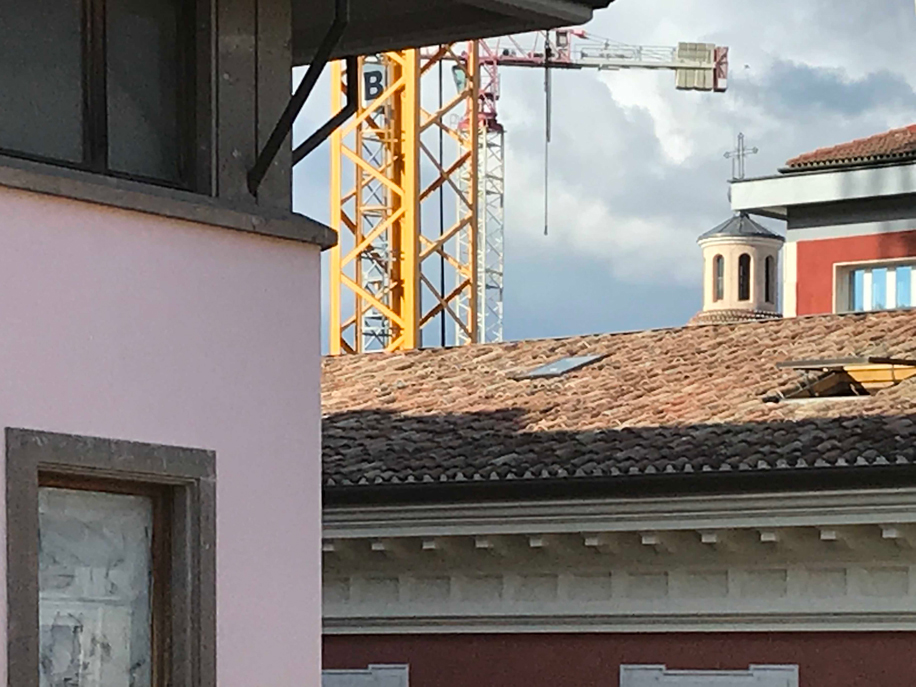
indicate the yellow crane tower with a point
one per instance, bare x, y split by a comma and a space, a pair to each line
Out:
417, 186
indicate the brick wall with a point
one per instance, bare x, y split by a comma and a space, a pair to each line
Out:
593, 660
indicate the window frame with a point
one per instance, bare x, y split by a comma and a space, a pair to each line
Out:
192, 100
183, 481
843, 292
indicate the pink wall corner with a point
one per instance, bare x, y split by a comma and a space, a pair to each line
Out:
130, 326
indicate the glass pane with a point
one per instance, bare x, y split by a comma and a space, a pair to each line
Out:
904, 281
879, 288
857, 290
143, 78
562, 366
94, 581
41, 84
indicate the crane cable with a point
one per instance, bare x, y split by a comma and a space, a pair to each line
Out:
547, 100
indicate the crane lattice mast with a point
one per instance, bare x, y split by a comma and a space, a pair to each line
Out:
403, 271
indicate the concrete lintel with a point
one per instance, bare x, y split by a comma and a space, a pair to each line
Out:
164, 202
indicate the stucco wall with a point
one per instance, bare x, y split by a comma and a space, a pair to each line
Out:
815, 260
731, 251
593, 660
129, 326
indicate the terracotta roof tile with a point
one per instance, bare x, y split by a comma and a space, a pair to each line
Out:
674, 400
891, 146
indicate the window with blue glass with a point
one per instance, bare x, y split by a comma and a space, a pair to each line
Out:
903, 276
881, 288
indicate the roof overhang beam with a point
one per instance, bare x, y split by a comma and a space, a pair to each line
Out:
546, 10
773, 196
386, 25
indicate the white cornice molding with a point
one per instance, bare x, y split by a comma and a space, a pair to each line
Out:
813, 561
889, 621
803, 509
762, 241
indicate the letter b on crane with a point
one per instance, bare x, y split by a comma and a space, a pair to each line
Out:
373, 82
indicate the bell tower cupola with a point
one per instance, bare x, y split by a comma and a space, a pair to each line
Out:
740, 272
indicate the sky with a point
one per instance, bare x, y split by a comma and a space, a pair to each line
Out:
637, 168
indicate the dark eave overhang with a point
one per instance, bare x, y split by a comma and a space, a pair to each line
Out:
383, 25
637, 486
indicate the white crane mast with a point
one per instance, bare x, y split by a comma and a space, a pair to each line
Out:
697, 66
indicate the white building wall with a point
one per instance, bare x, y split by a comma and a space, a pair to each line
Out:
790, 279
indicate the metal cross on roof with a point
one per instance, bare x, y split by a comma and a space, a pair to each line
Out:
738, 156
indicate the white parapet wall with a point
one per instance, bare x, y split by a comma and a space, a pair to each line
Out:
755, 676
773, 195
373, 676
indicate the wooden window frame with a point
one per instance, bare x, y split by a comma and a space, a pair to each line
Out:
160, 497
182, 484
192, 99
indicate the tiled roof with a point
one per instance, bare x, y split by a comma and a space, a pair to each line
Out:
686, 400
891, 146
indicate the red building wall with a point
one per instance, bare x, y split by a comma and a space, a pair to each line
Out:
815, 261
593, 660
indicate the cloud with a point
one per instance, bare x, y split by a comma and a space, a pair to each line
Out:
789, 88
637, 169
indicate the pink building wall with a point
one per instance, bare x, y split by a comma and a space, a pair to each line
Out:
131, 326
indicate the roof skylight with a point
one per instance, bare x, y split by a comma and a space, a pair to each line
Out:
560, 367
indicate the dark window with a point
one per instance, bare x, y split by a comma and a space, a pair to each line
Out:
744, 277
718, 278
770, 280
102, 85
113, 577
41, 82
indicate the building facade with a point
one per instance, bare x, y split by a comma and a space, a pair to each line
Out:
160, 398
727, 504
850, 213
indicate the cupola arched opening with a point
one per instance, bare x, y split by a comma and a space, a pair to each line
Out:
718, 278
769, 287
744, 277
